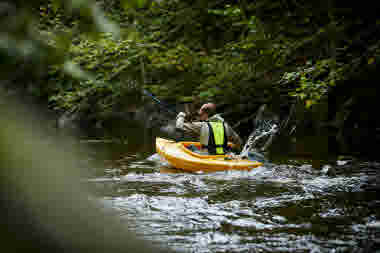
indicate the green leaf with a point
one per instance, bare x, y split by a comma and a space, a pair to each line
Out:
141, 3
56, 4
133, 4
309, 103
126, 4
187, 99
104, 24
205, 94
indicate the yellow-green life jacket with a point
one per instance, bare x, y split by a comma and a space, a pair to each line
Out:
217, 138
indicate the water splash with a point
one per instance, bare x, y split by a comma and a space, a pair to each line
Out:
259, 141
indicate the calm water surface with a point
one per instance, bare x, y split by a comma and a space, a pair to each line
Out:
287, 206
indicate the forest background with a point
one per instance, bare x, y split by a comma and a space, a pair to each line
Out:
314, 62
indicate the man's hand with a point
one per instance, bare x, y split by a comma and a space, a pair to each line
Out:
181, 114
236, 148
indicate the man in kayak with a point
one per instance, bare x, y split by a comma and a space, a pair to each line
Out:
212, 130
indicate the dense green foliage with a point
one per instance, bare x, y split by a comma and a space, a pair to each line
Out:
228, 51
221, 50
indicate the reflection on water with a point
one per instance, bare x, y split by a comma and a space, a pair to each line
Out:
274, 208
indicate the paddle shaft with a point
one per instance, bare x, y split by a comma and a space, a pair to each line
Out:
164, 106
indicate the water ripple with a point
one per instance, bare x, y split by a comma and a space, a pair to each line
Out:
277, 208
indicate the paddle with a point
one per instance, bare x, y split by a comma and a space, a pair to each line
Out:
164, 106
160, 103
145, 92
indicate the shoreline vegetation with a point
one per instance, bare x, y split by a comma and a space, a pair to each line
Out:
313, 63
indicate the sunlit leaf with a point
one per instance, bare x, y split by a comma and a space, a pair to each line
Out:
141, 3
371, 60
187, 99
56, 4
204, 94
126, 4
78, 4
75, 71
129, 4
104, 24
309, 103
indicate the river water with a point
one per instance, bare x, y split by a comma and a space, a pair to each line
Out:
289, 205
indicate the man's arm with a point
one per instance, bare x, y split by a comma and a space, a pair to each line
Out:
233, 136
192, 128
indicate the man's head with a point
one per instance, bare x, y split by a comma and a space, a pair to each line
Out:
206, 111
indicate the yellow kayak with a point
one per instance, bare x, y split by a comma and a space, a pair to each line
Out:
179, 156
